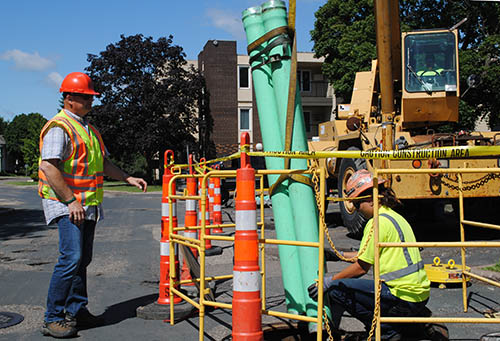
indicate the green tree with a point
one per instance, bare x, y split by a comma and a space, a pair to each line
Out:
22, 137
344, 33
149, 101
3, 126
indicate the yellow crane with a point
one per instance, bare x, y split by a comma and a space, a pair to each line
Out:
412, 87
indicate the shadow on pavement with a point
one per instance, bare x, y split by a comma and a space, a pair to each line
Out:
116, 313
20, 223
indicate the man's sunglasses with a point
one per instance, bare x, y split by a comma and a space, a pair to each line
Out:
84, 96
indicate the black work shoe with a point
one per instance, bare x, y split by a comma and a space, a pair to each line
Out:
84, 319
58, 329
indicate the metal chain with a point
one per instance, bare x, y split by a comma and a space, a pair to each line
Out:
314, 167
474, 184
327, 325
375, 312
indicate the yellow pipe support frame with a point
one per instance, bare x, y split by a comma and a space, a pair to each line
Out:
462, 239
462, 245
203, 210
190, 242
208, 279
200, 245
289, 316
262, 246
186, 240
442, 244
288, 242
224, 238
219, 305
263, 241
481, 278
183, 228
484, 225
321, 253
437, 170
376, 260
439, 320
186, 197
186, 298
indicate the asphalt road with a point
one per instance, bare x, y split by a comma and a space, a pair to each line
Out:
124, 273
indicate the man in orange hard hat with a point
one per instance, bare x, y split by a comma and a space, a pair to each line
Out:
405, 290
73, 162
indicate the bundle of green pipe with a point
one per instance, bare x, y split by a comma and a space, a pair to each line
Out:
294, 205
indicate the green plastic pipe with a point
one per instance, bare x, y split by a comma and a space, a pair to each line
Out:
272, 140
301, 195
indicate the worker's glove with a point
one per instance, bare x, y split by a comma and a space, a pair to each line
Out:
313, 288
331, 256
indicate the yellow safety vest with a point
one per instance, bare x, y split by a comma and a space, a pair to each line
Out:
402, 269
83, 170
430, 73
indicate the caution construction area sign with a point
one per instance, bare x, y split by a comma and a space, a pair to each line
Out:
459, 152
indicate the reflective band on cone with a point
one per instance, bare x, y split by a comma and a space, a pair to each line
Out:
211, 187
247, 319
165, 256
190, 220
217, 206
208, 242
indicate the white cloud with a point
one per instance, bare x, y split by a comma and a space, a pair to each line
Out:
27, 62
54, 79
227, 21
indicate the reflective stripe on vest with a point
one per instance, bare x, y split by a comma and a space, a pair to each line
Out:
83, 170
412, 267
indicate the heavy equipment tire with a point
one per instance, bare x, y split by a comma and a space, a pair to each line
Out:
353, 221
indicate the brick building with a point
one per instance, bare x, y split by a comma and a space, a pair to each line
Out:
232, 104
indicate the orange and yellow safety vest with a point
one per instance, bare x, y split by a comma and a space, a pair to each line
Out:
83, 170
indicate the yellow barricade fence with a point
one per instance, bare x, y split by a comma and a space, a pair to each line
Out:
463, 244
444, 152
203, 300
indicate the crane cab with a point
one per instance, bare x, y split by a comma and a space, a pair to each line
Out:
430, 86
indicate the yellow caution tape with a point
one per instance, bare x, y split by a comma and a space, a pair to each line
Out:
204, 163
406, 154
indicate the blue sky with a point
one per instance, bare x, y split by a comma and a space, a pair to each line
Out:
42, 41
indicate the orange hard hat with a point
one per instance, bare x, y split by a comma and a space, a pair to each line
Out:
360, 182
78, 82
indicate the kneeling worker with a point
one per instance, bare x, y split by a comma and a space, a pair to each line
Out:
405, 288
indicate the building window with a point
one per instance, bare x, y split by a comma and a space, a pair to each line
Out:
244, 120
244, 77
304, 80
307, 121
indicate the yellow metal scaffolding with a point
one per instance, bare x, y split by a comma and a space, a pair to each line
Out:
462, 245
199, 244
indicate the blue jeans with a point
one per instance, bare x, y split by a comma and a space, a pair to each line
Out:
356, 296
68, 285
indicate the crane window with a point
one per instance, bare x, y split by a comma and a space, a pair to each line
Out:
430, 62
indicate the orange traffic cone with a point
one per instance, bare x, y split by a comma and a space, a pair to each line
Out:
217, 214
165, 256
247, 319
189, 221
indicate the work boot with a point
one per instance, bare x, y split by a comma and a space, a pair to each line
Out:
436, 332
84, 319
58, 329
